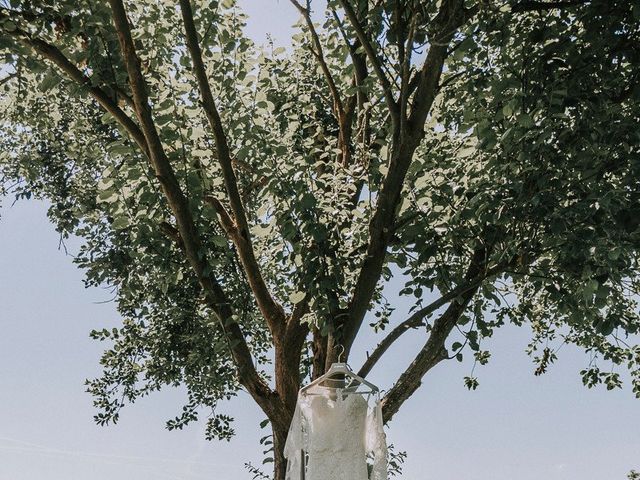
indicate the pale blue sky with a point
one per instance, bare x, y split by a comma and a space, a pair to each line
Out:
515, 426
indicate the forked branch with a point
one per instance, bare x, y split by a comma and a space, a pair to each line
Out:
434, 351
239, 229
373, 57
54, 55
317, 51
417, 318
406, 141
215, 296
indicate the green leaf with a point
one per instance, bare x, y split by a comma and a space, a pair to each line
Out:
49, 81
297, 297
525, 120
120, 222
220, 241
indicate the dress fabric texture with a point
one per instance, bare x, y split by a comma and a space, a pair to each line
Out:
338, 433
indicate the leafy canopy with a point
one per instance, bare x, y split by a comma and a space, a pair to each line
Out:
506, 169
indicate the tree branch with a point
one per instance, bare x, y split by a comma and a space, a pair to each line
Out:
54, 54
405, 67
434, 351
416, 319
392, 105
215, 296
318, 53
429, 356
172, 234
319, 347
359, 60
450, 16
341, 111
239, 230
8, 78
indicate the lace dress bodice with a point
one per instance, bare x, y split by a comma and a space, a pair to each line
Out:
337, 433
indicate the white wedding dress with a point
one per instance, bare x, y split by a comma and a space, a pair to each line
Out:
337, 433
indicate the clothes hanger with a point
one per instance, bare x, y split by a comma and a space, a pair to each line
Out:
341, 368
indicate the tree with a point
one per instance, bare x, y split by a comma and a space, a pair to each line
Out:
248, 204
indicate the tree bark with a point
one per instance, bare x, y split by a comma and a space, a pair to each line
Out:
279, 461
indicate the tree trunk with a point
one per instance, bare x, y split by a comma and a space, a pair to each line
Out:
287, 382
279, 462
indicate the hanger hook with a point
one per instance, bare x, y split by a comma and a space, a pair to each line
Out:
341, 353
